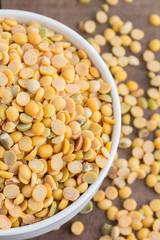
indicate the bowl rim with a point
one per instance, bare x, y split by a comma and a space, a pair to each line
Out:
97, 60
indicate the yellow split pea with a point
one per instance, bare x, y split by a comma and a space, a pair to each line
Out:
77, 228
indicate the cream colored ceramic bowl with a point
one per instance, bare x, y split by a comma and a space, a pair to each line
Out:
65, 215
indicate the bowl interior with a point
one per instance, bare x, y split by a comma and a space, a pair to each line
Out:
79, 42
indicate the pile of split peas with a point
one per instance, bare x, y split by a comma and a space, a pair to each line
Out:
56, 119
130, 222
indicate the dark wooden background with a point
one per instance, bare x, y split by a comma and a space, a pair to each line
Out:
70, 12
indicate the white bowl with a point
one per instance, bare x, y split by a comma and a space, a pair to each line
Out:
65, 215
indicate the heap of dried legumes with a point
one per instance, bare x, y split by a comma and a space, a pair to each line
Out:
140, 154
56, 119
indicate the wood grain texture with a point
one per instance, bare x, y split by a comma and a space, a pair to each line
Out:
70, 12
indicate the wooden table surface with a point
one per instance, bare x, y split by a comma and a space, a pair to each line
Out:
70, 12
